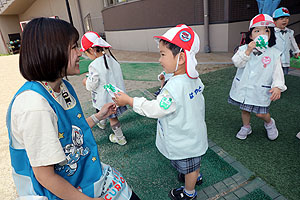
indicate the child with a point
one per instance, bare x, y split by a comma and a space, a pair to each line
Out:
181, 129
259, 78
103, 70
52, 148
285, 40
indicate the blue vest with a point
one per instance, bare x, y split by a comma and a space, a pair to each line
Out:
252, 83
83, 168
183, 133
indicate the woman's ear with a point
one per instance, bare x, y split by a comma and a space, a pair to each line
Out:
181, 58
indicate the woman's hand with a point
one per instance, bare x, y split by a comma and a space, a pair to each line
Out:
250, 48
84, 81
123, 99
106, 110
276, 92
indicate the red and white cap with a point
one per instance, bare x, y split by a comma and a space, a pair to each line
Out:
92, 39
262, 20
184, 37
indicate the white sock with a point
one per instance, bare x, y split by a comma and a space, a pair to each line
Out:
117, 130
189, 193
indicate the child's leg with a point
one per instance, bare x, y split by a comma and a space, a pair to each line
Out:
191, 179
246, 128
270, 125
118, 136
246, 118
102, 123
285, 70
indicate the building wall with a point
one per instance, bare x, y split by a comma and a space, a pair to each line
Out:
8, 24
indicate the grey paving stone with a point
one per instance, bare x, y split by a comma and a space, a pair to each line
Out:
256, 183
216, 148
201, 195
210, 191
270, 191
211, 143
240, 192
222, 153
220, 187
229, 159
280, 198
242, 169
239, 178
229, 181
231, 196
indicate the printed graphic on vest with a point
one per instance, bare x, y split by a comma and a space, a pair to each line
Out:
195, 92
113, 185
73, 152
165, 103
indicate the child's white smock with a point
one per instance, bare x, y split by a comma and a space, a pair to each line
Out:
99, 76
284, 43
180, 109
255, 76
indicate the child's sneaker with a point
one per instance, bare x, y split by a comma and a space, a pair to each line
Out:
114, 139
298, 135
243, 133
178, 194
182, 179
102, 124
272, 131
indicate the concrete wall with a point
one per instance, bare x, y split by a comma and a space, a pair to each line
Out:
8, 24
142, 40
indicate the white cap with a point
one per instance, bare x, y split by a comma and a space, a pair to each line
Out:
262, 20
184, 37
92, 39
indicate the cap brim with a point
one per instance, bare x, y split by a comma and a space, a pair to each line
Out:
101, 43
190, 65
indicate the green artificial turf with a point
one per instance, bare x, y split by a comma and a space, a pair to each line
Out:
84, 65
131, 71
148, 172
277, 162
141, 71
257, 194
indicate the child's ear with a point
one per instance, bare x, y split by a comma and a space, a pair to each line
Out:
181, 58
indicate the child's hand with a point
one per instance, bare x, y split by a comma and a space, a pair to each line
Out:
250, 48
84, 81
297, 55
123, 99
106, 110
276, 92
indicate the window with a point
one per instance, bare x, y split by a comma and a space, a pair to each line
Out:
88, 22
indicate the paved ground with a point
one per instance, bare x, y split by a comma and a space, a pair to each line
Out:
233, 188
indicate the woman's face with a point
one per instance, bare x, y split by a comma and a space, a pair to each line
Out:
73, 65
260, 30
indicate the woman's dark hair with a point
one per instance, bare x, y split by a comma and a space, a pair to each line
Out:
272, 39
101, 49
45, 48
174, 48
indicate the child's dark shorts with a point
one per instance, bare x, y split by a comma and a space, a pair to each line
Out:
188, 165
249, 108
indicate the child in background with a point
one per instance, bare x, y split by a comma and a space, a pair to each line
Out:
53, 151
285, 40
181, 129
103, 70
259, 78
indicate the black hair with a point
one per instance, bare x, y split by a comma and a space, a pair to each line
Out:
101, 49
272, 39
275, 19
45, 49
173, 47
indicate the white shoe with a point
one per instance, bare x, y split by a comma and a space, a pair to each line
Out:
243, 133
298, 135
272, 131
114, 139
102, 124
